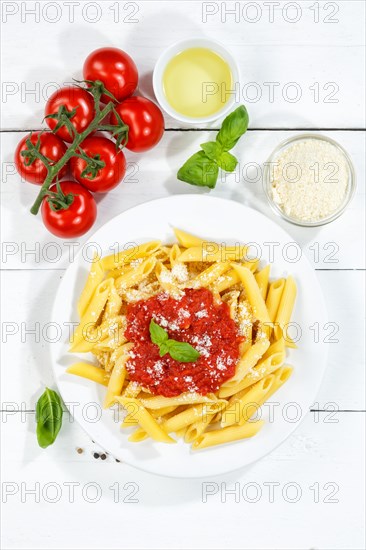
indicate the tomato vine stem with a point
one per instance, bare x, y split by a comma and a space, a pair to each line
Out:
96, 124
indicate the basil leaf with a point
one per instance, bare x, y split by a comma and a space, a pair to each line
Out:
233, 127
158, 334
202, 168
49, 417
163, 348
212, 149
227, 161
199, 170
182, 351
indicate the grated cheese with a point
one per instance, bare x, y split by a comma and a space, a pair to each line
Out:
201, 314
310, 179
180, 272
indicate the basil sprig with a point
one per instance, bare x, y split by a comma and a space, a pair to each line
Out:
202, 168
180, 351
49, 417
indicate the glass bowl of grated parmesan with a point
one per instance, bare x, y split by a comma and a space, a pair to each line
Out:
309, 180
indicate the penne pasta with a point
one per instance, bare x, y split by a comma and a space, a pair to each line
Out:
145, 420
250, 400
227, 435
231, 299
225, 281
121, 270
86, 328
132, 390
212, 252
130, 421
281, 376
246, 363
165, 278
159, 413
232, 400
254, 295
132, 295
285, 307
186, 239
197, 428
274, 297
135, 276
95, 277
127, 256
118, 376
277, 379
157, 402
91, 372
237, 412
262, 278
277, 347
270, 362
191, 415
180, 421
211, 274
151, 370
138, 435
174, 254
162, 254
244, 319
252, 265
231, 277
113, 305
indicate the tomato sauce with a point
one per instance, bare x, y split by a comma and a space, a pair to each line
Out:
194, 318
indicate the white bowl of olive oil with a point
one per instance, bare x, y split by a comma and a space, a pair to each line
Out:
196, 81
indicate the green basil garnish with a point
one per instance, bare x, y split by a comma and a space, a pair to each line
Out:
157, 333
202, 168
227, 161
233, 127
199, 170
49, 417
180, 351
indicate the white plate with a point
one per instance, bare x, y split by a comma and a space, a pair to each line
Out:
221, 221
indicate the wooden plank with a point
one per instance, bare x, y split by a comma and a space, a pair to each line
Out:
28, 333
308, 64
319, 468
26, 243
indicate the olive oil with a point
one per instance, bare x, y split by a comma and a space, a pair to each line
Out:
197, 82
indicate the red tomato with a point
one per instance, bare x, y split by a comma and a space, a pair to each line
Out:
106, 178
115, 69
145, 121
50, 146
72, 98
75, 220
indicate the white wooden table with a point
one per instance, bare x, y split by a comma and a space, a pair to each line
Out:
308, 493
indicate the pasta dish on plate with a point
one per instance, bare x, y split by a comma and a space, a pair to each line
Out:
190, 339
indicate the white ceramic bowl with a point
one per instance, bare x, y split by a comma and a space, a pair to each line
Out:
177, 48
